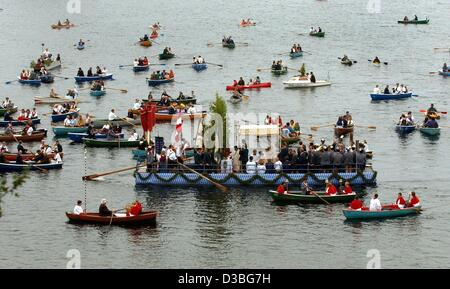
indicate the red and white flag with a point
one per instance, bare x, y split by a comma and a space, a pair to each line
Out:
178, 128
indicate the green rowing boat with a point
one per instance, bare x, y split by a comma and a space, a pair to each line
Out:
424, 21
115, 143
164, 56
282, 71
317, 34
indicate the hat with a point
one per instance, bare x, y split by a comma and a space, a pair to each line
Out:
103, 202
286, 181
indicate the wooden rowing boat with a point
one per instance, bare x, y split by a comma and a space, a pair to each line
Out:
11, 110
300, 197
145, 218
54, 100
18, 122
13, 167
115, 143
10, 157
35, 136
199, 66
338, 131
67, 26
247, 24
145, 43
386, 212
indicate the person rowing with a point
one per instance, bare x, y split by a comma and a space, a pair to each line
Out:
430, 123
400, 202
416, 18
306, 189
413, 200
406, 19
81, 42
345, 58
103, 209
445, 68
241, 82
145, 38
283, 188
376, 60
330, 189
356, 204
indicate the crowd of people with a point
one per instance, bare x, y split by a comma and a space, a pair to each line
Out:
98, 72
397, 89
133, 209
375, 203
161, 75
241, 81
62, 108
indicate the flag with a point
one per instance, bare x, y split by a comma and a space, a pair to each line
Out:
148, 117
178, 128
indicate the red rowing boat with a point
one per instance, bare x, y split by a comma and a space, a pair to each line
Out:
26, 157
145, 218
251, 86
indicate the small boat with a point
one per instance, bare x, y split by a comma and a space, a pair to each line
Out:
63, 116
395, 96
139, 68
317, 34
348, 62
229, 45
35, 136
281, 71
155, 82
19, 122
145, 218
145, 43
64, 130
199, 66
338, 131
290, 140
13, 167
34, 82
67, 26
107, 76
97, 93
47, 78
99, 123
250, 86
296, 54
80, 46
296, 82
247, 24
116, 143
176, 101
52, 65
300, 197
423, 21
53, 100
26, 157
11, 110
235, 100
164, 56
77, 137
430, 131
444, 73
163, 115
404, 129
386, 212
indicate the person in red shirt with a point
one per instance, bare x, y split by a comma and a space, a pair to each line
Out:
400, 203
356, 204
347, 189
413, 200
283, 188
331, 189
136, 209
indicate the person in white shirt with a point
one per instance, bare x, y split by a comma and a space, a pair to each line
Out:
34, 113
78, 209
67, 121
311, 30
134, 136
278, 166
48, 150
200, 59
267, 120
112, 115
73, 121
375, 204
376, 90
136, 62
30, 130
106, 127
194, 60
137, 104
104, 70
261, 168
191, 109
250, 166
57, 158
255, 156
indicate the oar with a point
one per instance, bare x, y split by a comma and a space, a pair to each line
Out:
354, 61
125, 65
367, 126
41, 169
120, 89
157, 64
385, 63
441, 112
307, 52
124, 119
261, 69
220, 65
292, 69
94, 176
219, 186
63, 77
178, 64
320, 126
285, 53
242, 43
442, 49
433, 72
11, 81
112, 214
315, 194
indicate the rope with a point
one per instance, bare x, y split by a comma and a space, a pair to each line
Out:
85, 182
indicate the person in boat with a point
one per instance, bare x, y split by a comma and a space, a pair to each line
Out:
375, 204
81, 42
59, 23
409, 118
57, 147
171, 74
172, 109
345, 58
200, 60
376, 60
312, 78
145, 38
194, 60
445, 68
9, 129
413, 200
7, 116
145, 61
23, 75
68, 121
34, 114
103, 209
78, 209
21, 148
416, 18
400, 202
241, 81
80, 72
67, 22
283, 188
112, 115
320, 29
257, 80
98, 71
33, 75
311, 30
386, 90
191, 109
134, 136
294, 48
431, 109
306, 189
135, 209
406, 19
356, 204
376, 90
7, 103
347, 188
299, 48
431, 123
341, 122
330, 189
166, 51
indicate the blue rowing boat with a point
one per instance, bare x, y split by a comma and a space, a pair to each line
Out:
63, 116
444, 73
155, 82
93, 78
34, 82
199, 66
296, 54
430, 131
395, 96
77, 137
13, 167
140, 68
47, 78
385, 213
64, 130
97, 92
404, 129
17, 122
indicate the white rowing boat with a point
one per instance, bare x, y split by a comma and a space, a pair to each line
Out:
299, 82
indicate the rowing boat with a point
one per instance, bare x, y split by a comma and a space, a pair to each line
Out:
53, 100
296, 82
11, 110
163, 115
423, 21
93, 78
77, 137
97, 93
430, 131
164, 56
317, 34
229, 45
394, 96
300, 197
99, 123
444, 73
155, 82
235, 100
145, 43
290, 140
348, 62
33, 82
60, 26
63, 116
296, 54
47, 78
386, 212
10, 157
176, 101
65, 130
35, 136
250, 86
116, 143
404, 129
19, 122
281, 71
154, 35
80, 46
139, 68
199, 66
145, 218
247, 24
338, 131
13, 167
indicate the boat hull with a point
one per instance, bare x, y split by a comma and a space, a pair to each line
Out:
430, 131
77, 137
444, 73
383, 214
93, 78
404, 129
317, 34
199, 67
163, 56
311, 199
338, 131
229, 45
145, 218
282, 71
377, 97
17, 123
116, 143
305, 84
24, 138
64, 130
154, 82
296, 54
251, 86
146, 43
414, 21
97, 93
140, 68
12, 167
34, 82
10, 110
